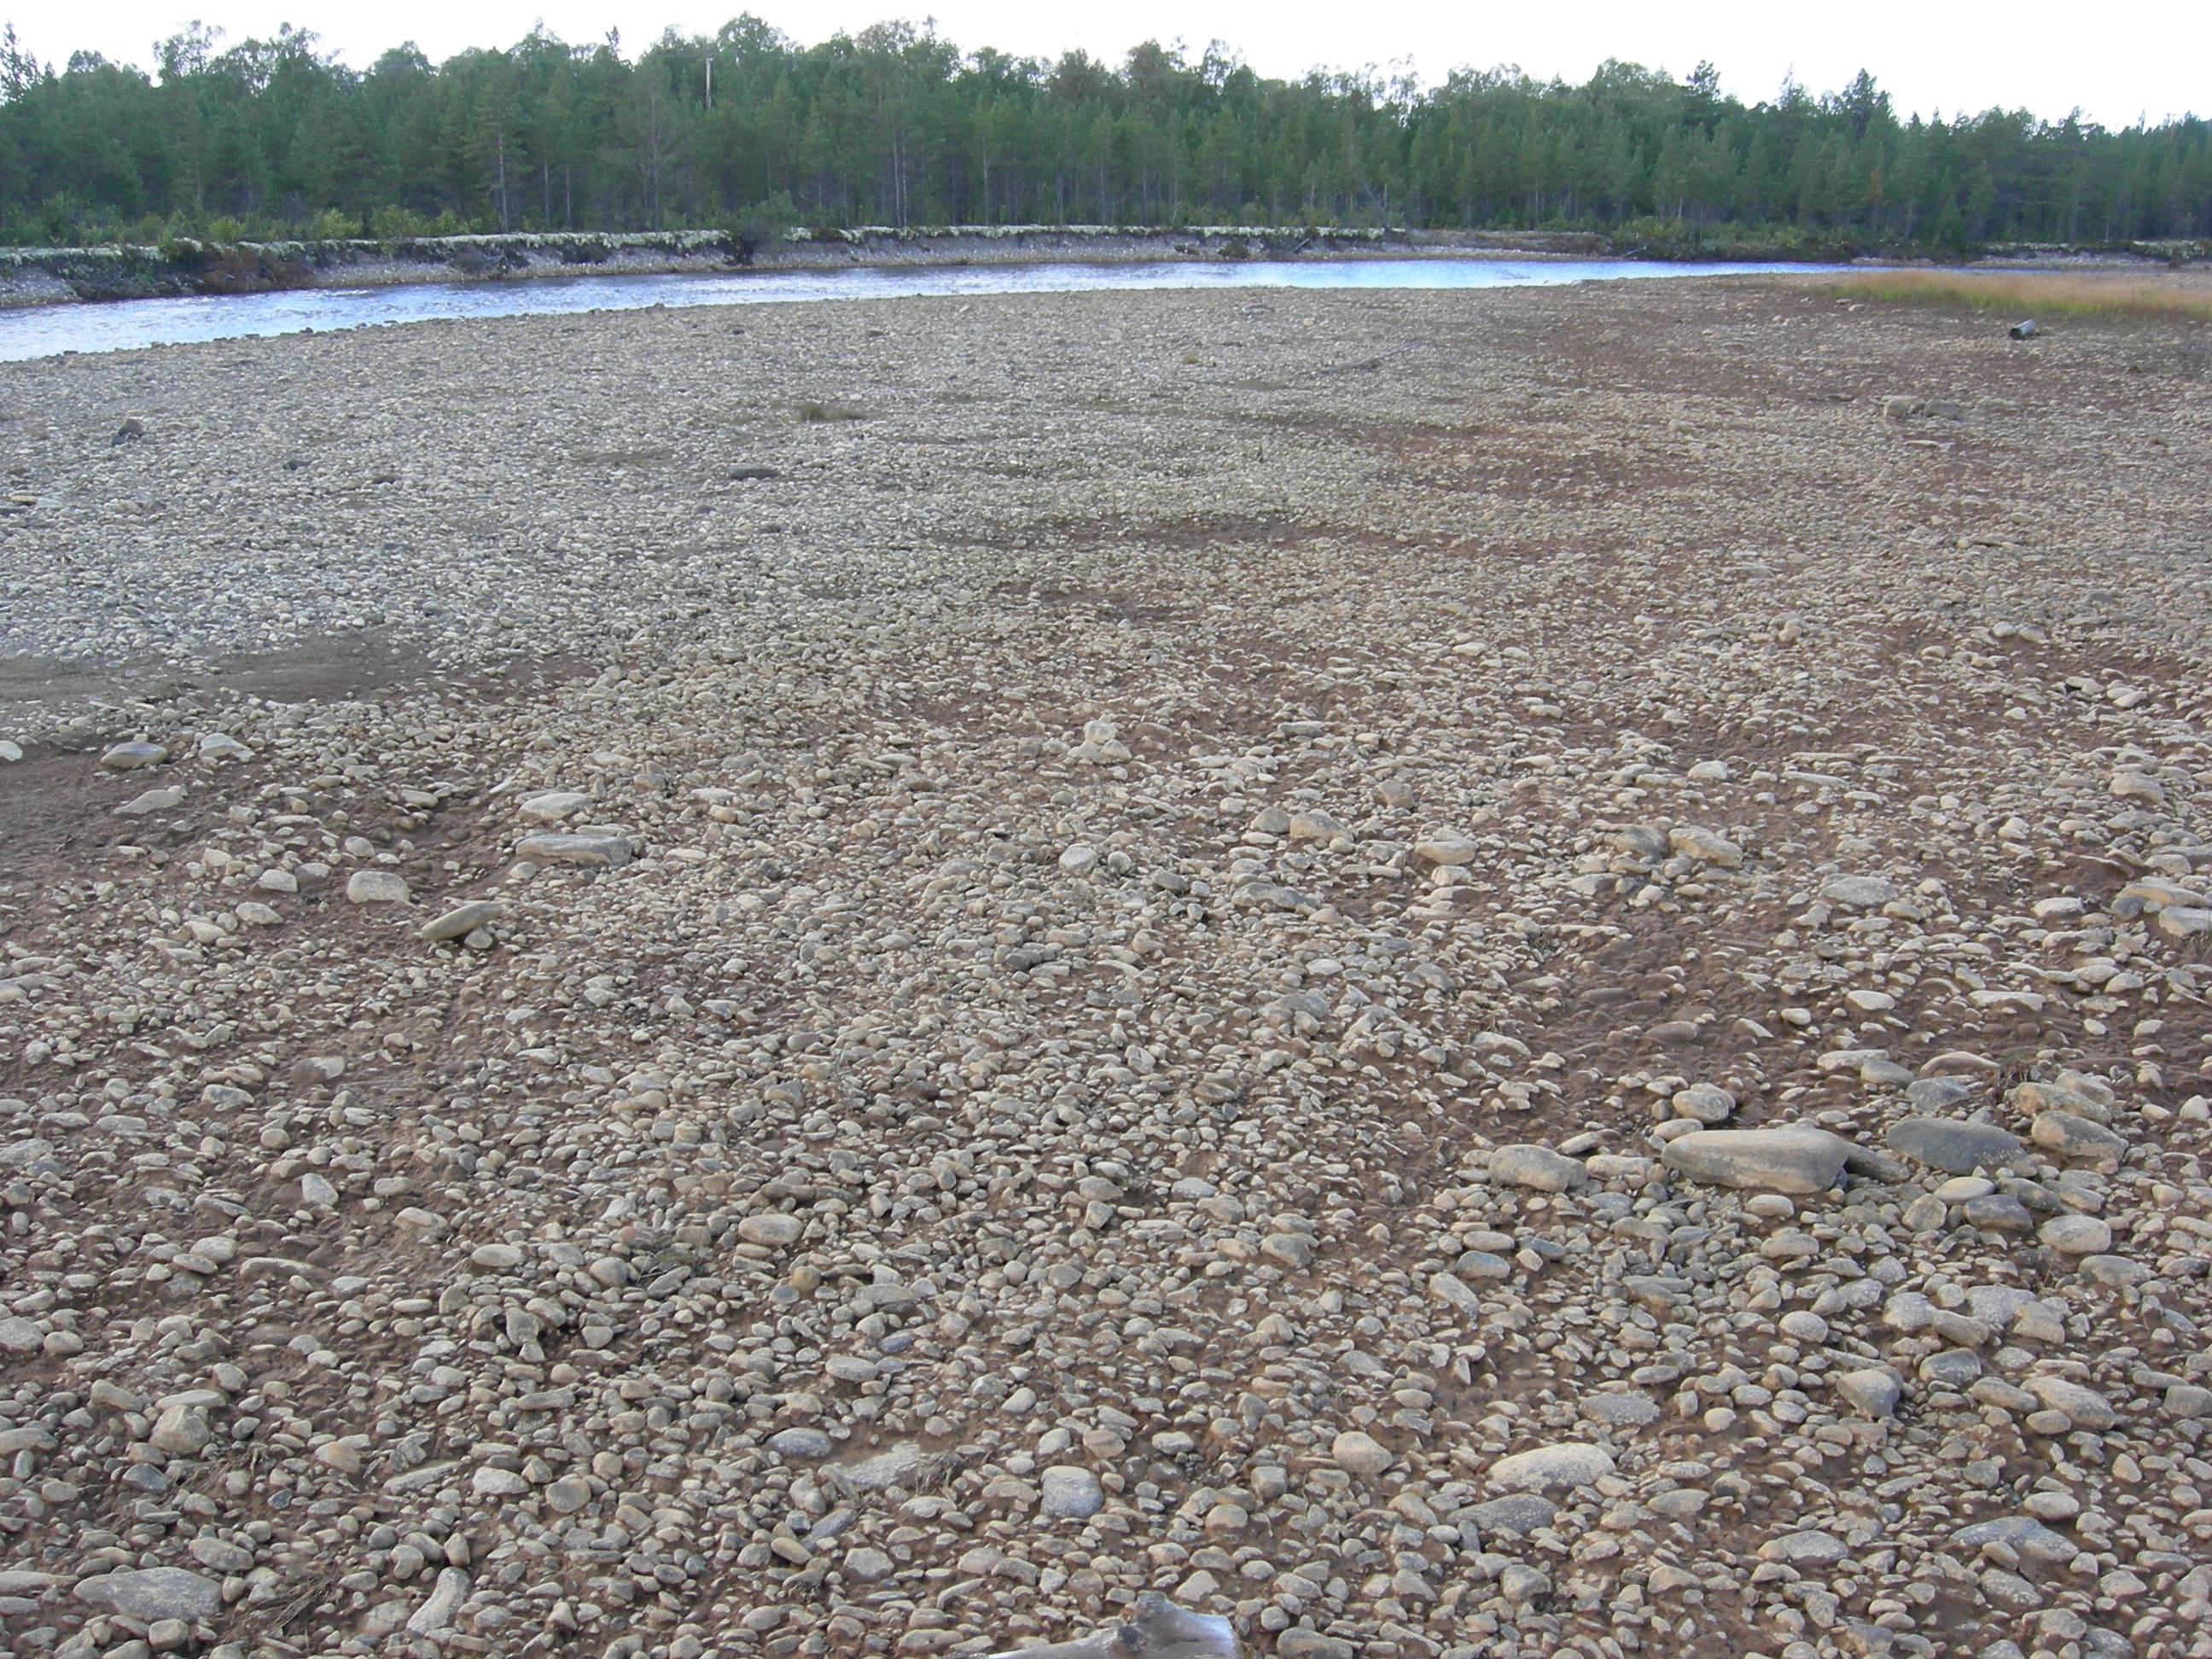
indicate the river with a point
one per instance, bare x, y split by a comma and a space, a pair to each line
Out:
128, 324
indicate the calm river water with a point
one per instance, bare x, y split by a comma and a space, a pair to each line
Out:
49, 331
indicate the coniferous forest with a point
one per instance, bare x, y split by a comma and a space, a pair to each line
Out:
896, 126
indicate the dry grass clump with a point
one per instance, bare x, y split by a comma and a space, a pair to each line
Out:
2070, 293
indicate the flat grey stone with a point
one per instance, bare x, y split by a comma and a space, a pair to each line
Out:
588, 852
1805, 1549
1545, 1467
1538, 1167
1071, 1492
553, 805
1954, 1368
462, 919
2184, 1401
1935, 1094
896, 1465
1999, 1212
2114, 1271
1360, 1455
1521, 1512
801, 1443
2076, 1235
154, 800
1998, 1305
772, 1228
2075, 1137
1858, 892
2084, 1406
1873, 1392
151, 1593
1456, 1293
436, 1612
377, 887
868, 1566
1954, 1146
1620, 1411
2030, 1537
1795, 1159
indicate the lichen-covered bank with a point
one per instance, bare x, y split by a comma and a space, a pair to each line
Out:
1498, 973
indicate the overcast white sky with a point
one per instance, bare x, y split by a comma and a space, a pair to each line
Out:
2152, 58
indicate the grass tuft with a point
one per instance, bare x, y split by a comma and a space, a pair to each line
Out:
2028, 294
829, 411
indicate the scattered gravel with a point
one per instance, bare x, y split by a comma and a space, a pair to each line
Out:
1482, 974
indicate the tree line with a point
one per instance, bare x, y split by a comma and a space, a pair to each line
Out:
896, 126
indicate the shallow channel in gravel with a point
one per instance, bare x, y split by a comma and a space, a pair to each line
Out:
49, 331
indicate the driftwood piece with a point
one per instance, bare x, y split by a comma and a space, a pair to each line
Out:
1156, 1629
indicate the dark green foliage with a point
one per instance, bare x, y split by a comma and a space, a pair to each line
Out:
896, 127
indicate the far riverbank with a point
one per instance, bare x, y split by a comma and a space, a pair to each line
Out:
35, 277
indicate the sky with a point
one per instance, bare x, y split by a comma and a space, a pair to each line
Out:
2154, 60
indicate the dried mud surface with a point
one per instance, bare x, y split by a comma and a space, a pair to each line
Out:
1166, 915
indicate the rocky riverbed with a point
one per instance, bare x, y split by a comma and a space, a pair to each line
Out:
1484, 974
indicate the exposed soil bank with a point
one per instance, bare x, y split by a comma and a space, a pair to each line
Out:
59, 276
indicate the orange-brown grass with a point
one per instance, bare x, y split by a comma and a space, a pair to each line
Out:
2030, 293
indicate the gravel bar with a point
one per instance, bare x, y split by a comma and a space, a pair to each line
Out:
1493, 974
